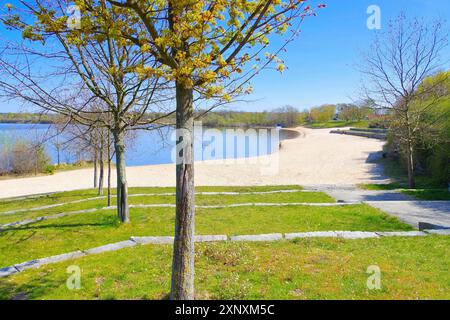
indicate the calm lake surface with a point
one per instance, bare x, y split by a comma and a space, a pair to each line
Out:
157, 147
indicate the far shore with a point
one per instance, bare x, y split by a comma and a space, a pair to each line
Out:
312, 157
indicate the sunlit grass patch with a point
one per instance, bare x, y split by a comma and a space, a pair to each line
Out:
411, 268
87, 230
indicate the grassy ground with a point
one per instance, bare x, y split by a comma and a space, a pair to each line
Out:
411, 268
301, 269
425, 188
308, 197
89, 230
381, 187
62, 197
337, 124
428, 194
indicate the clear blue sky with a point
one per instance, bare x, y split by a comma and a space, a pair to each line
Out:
321, 61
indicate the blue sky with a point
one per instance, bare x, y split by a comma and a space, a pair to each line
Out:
321, 62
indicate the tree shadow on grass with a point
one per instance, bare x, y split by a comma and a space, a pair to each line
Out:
60, 226
34, 289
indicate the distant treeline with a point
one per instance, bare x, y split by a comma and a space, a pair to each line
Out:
286, 116
27, 118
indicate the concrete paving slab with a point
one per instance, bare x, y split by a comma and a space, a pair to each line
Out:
4, 272
153, 240
356, 234
111, 247
402, 234
317, 234
210, 238
258, 237
48, 260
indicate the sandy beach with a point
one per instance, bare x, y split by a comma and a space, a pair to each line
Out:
313, 157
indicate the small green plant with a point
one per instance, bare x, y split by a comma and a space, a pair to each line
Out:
50, 169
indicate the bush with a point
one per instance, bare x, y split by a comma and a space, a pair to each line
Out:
22, 157
50, 169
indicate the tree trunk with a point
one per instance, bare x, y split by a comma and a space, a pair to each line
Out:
410, 165
122, 187
109, 172
95, 169
102, 172
183, 250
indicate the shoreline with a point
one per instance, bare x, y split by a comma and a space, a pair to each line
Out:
313, 157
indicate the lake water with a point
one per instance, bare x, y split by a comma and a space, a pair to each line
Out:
157, 147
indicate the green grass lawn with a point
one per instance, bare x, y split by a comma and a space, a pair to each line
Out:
62, 197
429, 194
338, 124
88, 230
411, 268
381, 186
316, 197
299, 269
425, 190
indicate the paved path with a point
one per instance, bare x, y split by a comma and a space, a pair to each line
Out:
393, 202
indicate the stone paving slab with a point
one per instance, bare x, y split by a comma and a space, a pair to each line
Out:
443, 232
153, 240
210, 238
402, 234
4, 272
258, 237
111, 247
356, 234
53, 259
316, 234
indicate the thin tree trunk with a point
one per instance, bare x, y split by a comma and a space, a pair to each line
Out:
109, 171
102, 172
122, 187
95, 169
410, 165
183, 250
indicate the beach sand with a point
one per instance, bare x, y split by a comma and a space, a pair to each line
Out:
314, 157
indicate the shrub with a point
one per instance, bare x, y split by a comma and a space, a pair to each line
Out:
50, 169
23, 157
